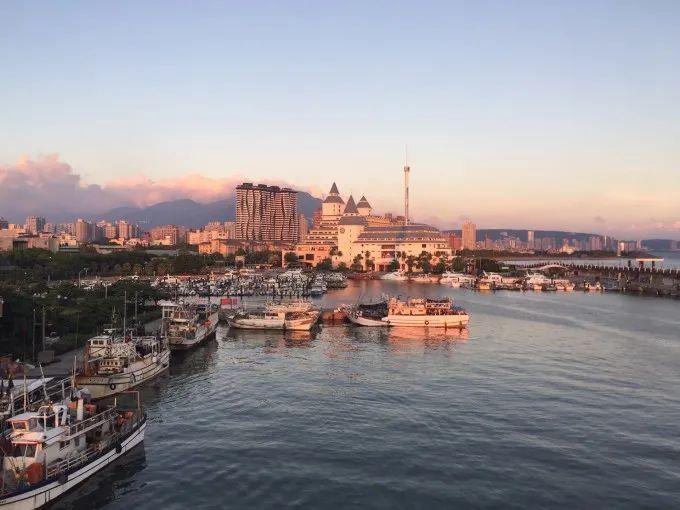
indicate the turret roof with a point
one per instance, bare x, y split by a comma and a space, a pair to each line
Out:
363, 203
351, 207
334, 189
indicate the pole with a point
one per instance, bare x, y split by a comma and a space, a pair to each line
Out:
136, 309
43, 328
124, 313
33, 336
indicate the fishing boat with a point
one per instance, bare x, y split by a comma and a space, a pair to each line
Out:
113, 364
564, 285
187, 326
457, 280
536, 281
297, 305
424, 278
52, 450
397, 276
434, 313
276, 320
368, 314
301, 321
258, 319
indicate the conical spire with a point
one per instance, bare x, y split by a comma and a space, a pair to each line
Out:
334, 190
363, 203
351, 207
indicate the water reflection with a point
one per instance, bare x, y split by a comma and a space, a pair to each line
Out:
111, 483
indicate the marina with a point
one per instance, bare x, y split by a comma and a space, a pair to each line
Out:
308, 407
112, 364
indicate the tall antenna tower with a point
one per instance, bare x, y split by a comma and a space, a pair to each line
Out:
407, 170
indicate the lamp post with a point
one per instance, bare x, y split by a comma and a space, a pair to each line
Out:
79, 272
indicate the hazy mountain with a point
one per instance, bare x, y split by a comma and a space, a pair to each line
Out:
191, 213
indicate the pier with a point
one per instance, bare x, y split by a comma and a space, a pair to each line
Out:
635, 279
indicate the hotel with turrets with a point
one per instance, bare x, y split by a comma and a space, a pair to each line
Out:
349, 233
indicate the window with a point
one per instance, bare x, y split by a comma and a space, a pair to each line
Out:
424, 246
63, 444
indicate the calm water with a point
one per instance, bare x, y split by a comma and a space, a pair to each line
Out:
549, 400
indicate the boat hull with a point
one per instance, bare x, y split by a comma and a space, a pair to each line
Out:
49, 491
256, 324
365, 321
428, 321
101, 386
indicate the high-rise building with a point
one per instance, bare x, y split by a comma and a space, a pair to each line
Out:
530, 239
266, 213
303, 226
35, 224
455, 242
82, 230
469, 235
4, 224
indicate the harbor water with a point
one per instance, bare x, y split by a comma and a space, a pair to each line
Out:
547, 400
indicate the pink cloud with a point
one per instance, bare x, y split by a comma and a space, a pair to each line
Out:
50, 187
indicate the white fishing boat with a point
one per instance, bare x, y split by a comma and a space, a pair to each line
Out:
564, 285
57, 447
186, 326
424, 278
457, 280
113, 364
301, 321
536, 281
297, 305
397, 276
258, 319
421, 312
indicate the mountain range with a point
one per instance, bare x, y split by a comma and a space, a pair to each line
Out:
192, 214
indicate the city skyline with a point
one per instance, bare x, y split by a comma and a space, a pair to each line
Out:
526, 115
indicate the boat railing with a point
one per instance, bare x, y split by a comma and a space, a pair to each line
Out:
78, 459
56, 391
84, 425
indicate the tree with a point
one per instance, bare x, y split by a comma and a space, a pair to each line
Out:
325, 265
410, 262
291, 259
342, 266
393, 265
356, 263
458, 264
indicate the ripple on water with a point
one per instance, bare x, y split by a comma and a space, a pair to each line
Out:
546, 401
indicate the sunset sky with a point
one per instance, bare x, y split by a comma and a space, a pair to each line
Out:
516, 114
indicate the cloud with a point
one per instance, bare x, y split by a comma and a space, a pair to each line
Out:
50, 187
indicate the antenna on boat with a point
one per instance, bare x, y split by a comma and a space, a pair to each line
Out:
44, 386
73, 377
25, 394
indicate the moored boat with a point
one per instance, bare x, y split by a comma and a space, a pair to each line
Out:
57, 447
186, 326
434, 313
112, 364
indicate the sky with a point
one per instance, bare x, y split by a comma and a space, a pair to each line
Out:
543, 115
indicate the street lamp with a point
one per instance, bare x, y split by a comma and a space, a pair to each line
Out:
83, 269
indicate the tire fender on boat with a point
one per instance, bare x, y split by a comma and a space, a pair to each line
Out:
111, 385
63, 478
427, 323
119, 448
